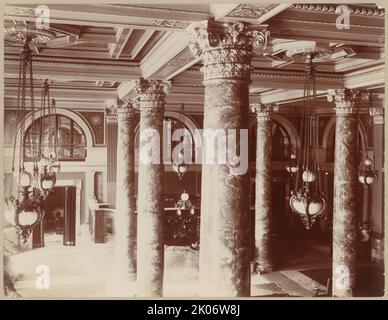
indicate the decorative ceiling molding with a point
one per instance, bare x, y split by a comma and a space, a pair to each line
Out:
353, 9
373, 76
75, 70
75, 64
110, 16
100, 49
122, 36
168, 48
250, 11
175, 24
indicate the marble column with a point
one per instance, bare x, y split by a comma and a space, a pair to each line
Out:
226, 51
377, 190
263, 189
125, 216
111, 146
150, 95
345, 191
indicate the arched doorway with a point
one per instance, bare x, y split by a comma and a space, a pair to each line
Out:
61, 220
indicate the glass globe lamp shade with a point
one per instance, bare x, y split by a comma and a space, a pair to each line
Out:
368, 162
361, 179
47, 182
293, 156
25, 179
28, 217
182, 169
370, 180
315, 206
297, 205
294, 169
309, 176
192, 211
185, 196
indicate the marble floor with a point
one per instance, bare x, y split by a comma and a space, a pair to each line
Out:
85, 270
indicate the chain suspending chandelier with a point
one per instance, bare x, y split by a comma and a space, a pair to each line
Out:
179, 165
368, 175
307, 198
24, 206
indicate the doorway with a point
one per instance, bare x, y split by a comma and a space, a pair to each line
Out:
58, 225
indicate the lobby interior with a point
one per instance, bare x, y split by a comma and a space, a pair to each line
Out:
116, 226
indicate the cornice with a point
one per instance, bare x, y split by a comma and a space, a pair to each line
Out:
332, 8
293, 76
75, 64
320, 23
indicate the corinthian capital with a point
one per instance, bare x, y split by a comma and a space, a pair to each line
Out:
150, 94
264, 111
208, 35
377, 114
123, 108
346, 99
226, 48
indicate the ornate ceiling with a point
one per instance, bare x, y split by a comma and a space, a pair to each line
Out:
98, 49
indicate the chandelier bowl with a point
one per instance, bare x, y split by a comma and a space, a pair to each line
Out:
25, 179
303, 205
28, 217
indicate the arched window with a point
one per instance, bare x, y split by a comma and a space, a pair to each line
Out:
71, 138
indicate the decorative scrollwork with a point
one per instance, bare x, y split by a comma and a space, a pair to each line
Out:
263, 111
226, 49
19, 33
123, 108
150, 95
346, 99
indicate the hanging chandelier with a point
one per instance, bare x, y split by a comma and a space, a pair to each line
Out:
292, 166
24, 207
307, 199
179, 165
367, 175
48, 163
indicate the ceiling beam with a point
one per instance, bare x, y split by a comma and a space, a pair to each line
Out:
145, 37
122, 36
110, 16
168, 47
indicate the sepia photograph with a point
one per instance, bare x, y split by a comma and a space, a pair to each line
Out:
193, 150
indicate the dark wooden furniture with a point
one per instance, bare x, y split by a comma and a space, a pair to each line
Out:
182, 228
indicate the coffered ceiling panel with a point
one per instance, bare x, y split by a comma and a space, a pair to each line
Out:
98, 49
